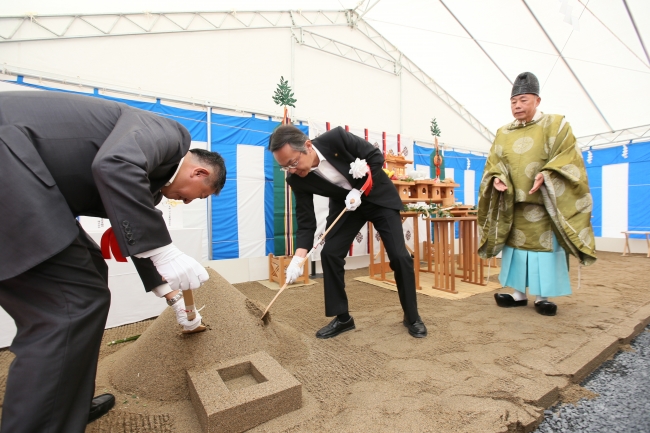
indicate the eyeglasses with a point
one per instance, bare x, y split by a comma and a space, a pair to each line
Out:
293, 164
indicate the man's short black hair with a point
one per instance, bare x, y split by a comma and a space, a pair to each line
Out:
214, 160
288, 134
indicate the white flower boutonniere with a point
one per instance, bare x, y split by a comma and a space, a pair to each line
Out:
359, 168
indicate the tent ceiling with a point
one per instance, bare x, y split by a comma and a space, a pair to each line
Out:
591, 56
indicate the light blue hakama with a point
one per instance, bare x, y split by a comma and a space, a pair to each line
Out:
544, 273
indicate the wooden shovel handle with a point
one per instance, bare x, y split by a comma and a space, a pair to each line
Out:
306, 257
273, 300
189, 304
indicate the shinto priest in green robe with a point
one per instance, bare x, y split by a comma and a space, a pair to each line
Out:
536, 231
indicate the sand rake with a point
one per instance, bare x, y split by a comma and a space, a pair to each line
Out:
360, 167
320, 239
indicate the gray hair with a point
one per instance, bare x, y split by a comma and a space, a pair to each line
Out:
288, 134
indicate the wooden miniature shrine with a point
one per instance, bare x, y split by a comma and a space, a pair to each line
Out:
432, 191
426, 190
397, 164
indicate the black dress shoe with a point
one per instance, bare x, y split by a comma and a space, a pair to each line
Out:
334, 328
546, 308
507, 301
416, 329
100, 406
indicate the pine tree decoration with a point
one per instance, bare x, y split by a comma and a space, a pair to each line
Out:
437, 160
435, 131
283, 94
284, 97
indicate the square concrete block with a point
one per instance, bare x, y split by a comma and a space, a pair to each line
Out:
239, 394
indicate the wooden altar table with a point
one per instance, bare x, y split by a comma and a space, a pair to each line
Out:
382, 267
440, 253
626, 247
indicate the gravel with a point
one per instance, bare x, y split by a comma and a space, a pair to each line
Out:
623, 404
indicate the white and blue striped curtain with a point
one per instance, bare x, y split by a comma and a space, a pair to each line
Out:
619, 178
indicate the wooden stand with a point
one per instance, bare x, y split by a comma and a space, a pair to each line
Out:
440, 254
471, 264
442, 247
278, 267
462, 211
383, 266
626, 248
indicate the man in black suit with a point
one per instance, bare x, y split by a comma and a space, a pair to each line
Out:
322, 167
61, 156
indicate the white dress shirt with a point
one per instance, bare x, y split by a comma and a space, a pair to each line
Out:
169, 182
329, 173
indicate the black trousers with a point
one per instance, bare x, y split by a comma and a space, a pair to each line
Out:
60, 308
388, 224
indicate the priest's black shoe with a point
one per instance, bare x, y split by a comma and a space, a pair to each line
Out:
100, 406
546, 308
507, 301
416, 329
334, 328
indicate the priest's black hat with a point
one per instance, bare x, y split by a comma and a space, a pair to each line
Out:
526, 82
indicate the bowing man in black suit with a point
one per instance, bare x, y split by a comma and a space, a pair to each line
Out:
61, 156
322, 166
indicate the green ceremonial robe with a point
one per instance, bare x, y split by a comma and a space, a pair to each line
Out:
562, 205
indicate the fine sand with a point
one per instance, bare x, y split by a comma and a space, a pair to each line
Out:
481, 369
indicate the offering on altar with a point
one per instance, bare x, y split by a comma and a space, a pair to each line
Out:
397, 164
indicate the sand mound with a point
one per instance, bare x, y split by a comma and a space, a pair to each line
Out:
481, 369
154, 366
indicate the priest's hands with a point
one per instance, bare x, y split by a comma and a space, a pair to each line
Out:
353, 200
294, 270
181, 271
539, 180
498, 185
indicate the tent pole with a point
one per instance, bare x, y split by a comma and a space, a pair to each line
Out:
575, 77
209, 122
293, 75
636, 29
477, 42
401, 93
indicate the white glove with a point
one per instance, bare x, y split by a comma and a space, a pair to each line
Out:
353, 200
181, 316
181, 271
294, 270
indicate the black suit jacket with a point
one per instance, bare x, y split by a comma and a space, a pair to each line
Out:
64, 155
339, 148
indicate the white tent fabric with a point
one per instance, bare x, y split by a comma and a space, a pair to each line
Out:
591, 56
511, 36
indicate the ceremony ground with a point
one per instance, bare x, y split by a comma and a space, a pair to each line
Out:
481, 369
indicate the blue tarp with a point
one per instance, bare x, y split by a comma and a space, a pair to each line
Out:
637, 157
227, 133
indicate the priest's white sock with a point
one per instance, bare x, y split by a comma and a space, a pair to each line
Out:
519, 296
541, 298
